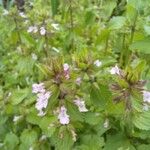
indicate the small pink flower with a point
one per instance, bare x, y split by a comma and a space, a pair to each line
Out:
81, 105
146, 96
38, 88
66, 67
78, 81
115, 70
63, 117
66, 71
42, 100
42, 31
97, 63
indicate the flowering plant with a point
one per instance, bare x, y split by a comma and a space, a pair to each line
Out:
75, 82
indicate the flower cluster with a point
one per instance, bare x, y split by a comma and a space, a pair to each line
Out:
34, 29
42, 97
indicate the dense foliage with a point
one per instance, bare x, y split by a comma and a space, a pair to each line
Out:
75, 75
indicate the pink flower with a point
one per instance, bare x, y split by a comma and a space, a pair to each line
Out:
63, 117
115, 70
146, 96
66, 67
66, 71
78, 81
81, 105
42, 31
38, 88
97, 63
42, 102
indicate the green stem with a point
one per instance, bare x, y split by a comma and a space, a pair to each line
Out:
71, 23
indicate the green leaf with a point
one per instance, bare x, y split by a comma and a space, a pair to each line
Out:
89, 17
54, 6
92, 118
65, 142
118, 142
142, 46
142, 120
100, 95
143, 147
92, 141
18, 96
131, 14
27, 39
74, 113
117, 22
28, 138
47, 126
33, 118
11, 141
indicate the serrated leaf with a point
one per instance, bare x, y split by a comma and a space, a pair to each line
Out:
27, 39
117, 22
74, 113
142, 120
92, 118
18, 96
92, 141
28, 137
11, 141
47, 126
100, 95
65, 142
118, 142
141, 45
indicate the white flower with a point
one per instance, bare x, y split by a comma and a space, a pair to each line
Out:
34, 56
146, 96
66, 67
97, 63
145, 107
16, 118
115, 70
81, 105
55, 26
63, 117
33, 29
106, 123
42, 101
78, 81
38, 88
42, 31
66, 71
5, 12
22, 15
30, 29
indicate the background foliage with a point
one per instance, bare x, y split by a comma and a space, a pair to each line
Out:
78, 32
